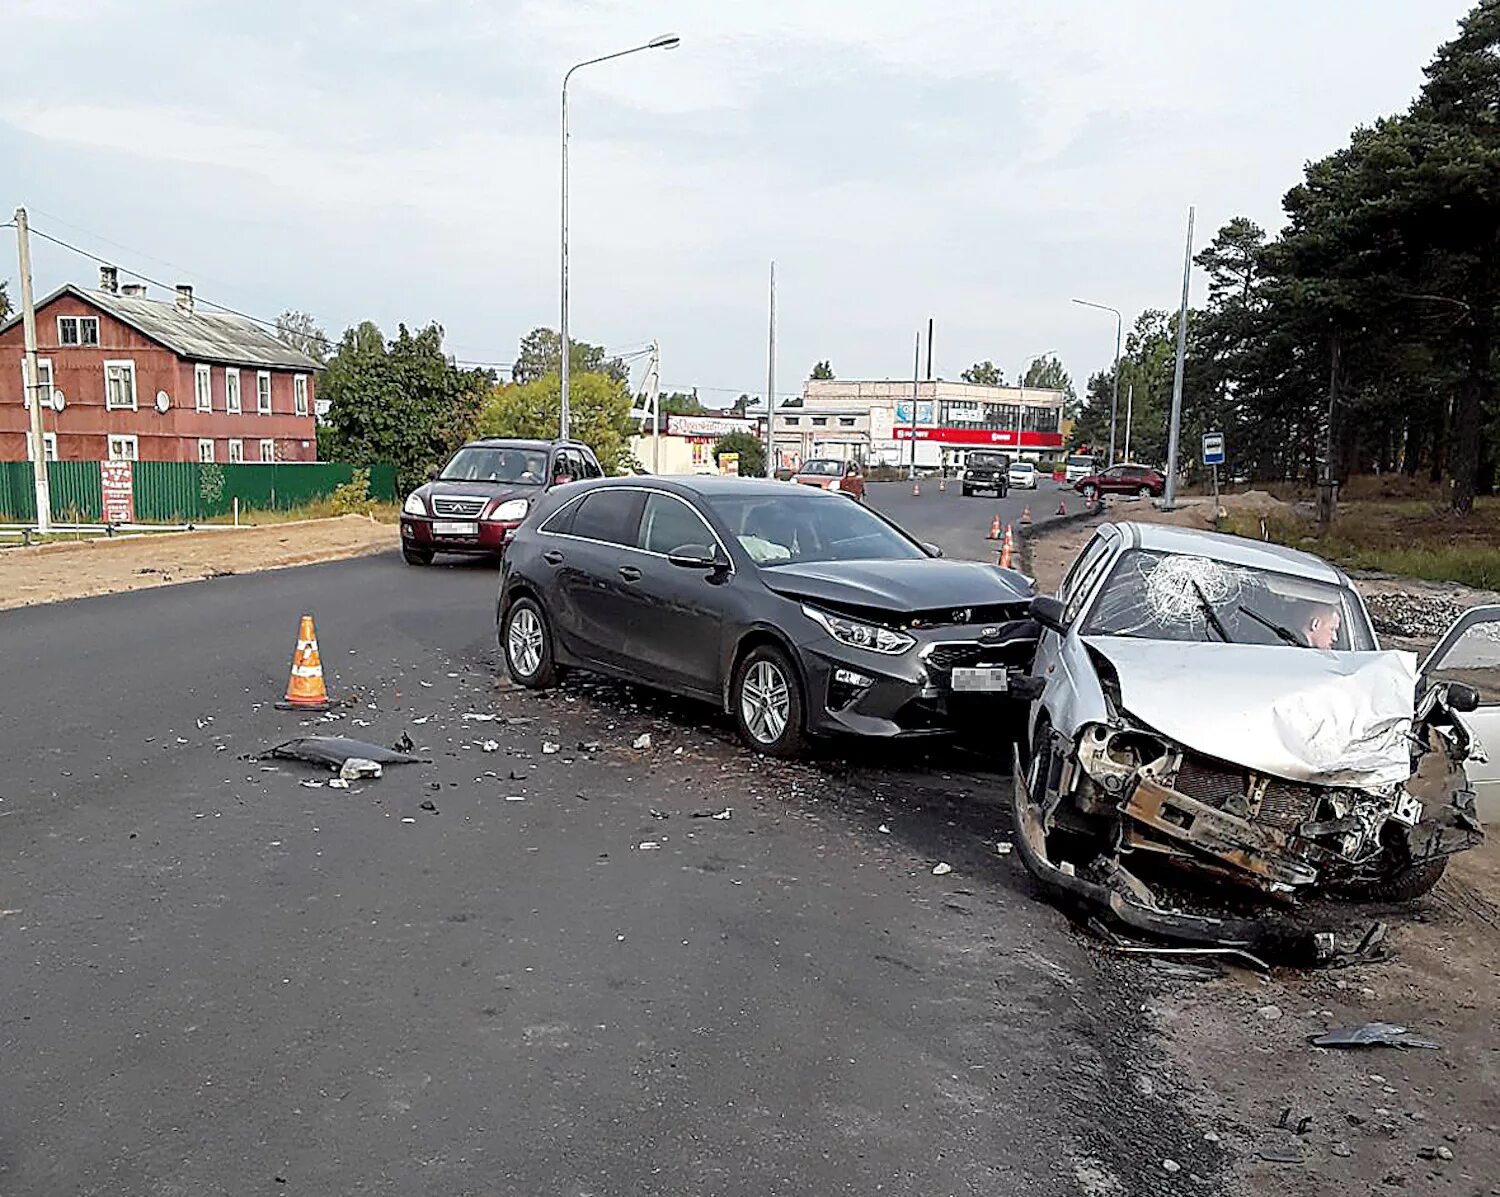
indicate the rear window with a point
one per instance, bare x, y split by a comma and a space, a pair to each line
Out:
830, 468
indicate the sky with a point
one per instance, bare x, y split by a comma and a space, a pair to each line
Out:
976, 163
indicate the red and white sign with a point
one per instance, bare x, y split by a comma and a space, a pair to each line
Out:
116, 483
982, 436
706, 426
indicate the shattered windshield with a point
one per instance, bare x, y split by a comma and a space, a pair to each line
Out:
1173, 596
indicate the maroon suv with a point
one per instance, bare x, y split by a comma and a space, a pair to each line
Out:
474, 503
1123, 480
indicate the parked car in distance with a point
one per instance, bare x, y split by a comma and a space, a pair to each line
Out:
986, 470
1220, 705
1022, 475
832, 474
795, 612
1078, 466
1122, 480
475, 503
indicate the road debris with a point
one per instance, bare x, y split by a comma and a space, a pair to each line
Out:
311, 785
642, 742
648, 845
478, 717
589, 745
659, 814
550, 749
1269, 1013
726, 813
337, 783
408, 819
428, 804
942, 869
490, 746
356, 767
404, 744
515, 797
333, 751
1374, 1034
1004, 848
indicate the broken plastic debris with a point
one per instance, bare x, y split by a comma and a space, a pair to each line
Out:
726, 813
942, 869
477, 717
337, 783
404, 744
334, 751
422, 720
428, 804
490, 746
642, 742
659, 814
356, 767
515, 797
312, 785
589, 746
549, 748
1003, 847
408, 819
1373, 1034
648, 845
883, 829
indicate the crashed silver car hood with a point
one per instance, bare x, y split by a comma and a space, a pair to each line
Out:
1325, 718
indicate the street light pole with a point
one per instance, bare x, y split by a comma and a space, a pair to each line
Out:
666, 41
1114, 403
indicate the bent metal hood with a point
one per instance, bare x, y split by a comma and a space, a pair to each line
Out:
918, 584
1323, 718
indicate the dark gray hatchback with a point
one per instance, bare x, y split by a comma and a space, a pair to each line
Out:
795, 610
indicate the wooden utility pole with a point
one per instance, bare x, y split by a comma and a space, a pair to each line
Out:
33, 389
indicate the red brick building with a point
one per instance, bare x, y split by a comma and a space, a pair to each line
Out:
131, 377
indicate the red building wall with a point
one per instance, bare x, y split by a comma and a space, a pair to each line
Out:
84, 425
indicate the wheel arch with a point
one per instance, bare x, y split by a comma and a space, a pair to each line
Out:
754, 638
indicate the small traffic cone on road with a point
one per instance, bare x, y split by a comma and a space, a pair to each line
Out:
1007, 549
305, 690
995, 528
1062, 507
916, 488
1025, 516
943, 485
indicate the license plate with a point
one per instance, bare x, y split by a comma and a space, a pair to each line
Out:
454, 528
981, 681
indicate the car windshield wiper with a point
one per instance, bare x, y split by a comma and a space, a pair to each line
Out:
1208, 610
1283, 633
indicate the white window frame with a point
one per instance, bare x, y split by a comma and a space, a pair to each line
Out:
49, 446
236, 451
123, 439
299, 388
263, 376
267, 445
203, 388
232, 392
206, 443
43, 368
127, 364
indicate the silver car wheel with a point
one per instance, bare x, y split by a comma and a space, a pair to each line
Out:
524, 641
765, 702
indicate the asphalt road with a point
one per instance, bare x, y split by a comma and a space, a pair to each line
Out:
219, 981
961, 526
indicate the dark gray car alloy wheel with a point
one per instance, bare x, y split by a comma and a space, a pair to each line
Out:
767, 701
527, 643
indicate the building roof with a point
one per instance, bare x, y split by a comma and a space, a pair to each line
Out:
199, 335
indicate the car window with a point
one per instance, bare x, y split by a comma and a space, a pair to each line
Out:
1180, 597
561, 520
610, 515
1114, 472
813, 526
496, 463
1084, 574
591, 466
830, 469
669, 524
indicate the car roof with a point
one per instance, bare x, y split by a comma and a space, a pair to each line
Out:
710, 485
520, 442
1237, 550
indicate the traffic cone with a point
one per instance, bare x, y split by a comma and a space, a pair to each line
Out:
305, 690
1062, 507
943, 485
1007, 549
995, 528
1025, 516
916, 488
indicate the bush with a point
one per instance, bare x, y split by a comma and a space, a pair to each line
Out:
353, 497
752, 453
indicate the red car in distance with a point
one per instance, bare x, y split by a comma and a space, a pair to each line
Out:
832, 474
1123, 480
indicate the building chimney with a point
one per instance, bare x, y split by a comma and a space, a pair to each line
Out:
133, 290
184, 299
109, 279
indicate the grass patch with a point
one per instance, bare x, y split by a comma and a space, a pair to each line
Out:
1408, 536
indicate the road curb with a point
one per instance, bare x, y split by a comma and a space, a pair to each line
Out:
1051, 527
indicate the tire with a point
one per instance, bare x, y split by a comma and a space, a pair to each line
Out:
968, 492
767, 669
1143, 493
526, 645
1405, 885
1089, 494
416, 556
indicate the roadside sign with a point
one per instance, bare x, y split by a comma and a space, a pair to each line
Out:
729, 463
117, 492
1213, 448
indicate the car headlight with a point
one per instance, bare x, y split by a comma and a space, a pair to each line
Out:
511, 509
855, 634
414, 505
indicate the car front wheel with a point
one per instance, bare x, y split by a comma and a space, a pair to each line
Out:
417, 556
767, 701
1144, 492
1088, 494
526, 641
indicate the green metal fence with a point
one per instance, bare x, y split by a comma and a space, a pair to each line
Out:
176, 492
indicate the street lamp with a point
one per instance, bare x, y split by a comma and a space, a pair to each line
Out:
665, 41
1114, 403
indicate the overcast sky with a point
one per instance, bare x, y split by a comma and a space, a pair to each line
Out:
976, 162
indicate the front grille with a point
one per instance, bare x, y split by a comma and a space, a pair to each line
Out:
1284, 805
982, 615
463, 506
944, 658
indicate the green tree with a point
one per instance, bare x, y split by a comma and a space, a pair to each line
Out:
399, 401
822, 372
598, 413
302, 332
740, 406
4, 302
680, 403
985, 374
541, 353
1048, 373
748, 446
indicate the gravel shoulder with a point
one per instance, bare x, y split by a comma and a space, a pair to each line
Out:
54, 572
1380, 1119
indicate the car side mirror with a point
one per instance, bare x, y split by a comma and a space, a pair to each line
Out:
1462, 697
932, 550
694, 556
1048, 612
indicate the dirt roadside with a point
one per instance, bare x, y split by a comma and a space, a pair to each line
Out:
1378, 1120
53, 572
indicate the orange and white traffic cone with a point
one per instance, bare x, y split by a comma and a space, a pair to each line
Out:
916, 488
943, 485
1025, 516
995, 528
1007, 549
305, 690
1062, 507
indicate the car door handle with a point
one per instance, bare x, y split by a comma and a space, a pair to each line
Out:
630, 573
552, 557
